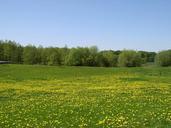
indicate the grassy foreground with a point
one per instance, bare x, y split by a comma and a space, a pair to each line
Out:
49, 97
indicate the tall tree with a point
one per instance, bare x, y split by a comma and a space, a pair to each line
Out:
163, 58
129, 58
110, 58
1, 51
54, 56
30, 54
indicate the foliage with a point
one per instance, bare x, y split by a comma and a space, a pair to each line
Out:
31, 55
77, 56
110, 58
80, 56
147, 56
163, 58
129, 58
54, 56
11, 51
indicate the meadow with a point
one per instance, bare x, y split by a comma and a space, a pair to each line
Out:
84, 97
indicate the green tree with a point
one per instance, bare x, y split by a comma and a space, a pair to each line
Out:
11, 51
92, 53
63, 53
151, 56
129, 58
18, 54
110, 58
144, 56
30, 54
54, 56
44, 56
77, 57
163, 58
1, 51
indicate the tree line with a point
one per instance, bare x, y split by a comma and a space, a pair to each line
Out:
80, 56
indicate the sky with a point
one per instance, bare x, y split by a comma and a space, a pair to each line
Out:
108, 24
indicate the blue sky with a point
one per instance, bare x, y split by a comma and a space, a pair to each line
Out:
109, 24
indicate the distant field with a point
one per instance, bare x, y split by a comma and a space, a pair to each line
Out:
71, 97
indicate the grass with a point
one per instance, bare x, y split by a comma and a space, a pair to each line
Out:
49, 97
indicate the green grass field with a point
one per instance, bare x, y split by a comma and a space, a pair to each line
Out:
66, 97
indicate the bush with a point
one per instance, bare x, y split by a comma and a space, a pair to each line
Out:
129, 58
163, 58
